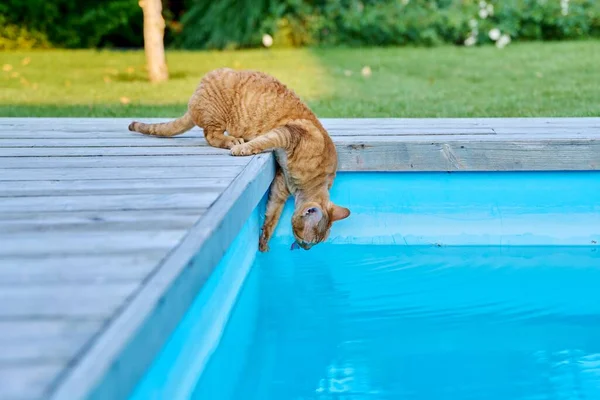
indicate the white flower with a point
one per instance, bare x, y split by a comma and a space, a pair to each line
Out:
483, 13
366, 71
494, 34
503, 41
473, 23
405, 2
482, 4
267, 40
490, 9
470, 41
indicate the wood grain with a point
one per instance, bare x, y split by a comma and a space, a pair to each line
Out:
87, 214
501, 154
112, 185
63, 301
27, 381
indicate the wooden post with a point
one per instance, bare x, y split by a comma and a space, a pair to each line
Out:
154, 30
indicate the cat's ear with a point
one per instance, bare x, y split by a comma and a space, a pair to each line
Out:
338, 212
312, 216
313, 213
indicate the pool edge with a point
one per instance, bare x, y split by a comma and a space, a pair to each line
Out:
174, 371
120, 355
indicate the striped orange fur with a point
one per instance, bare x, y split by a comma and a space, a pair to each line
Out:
259, 113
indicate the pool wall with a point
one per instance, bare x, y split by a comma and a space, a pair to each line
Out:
464, 209
176, 369
405, 209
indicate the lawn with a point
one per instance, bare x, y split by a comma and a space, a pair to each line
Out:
529, 79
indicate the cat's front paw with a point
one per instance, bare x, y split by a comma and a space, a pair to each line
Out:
242, 150
263, 245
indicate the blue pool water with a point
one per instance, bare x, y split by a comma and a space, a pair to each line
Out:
422, 323
481, 286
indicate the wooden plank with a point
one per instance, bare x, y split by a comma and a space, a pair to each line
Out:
36, 174
117, 128
141, 141
60, 301
59, 124
462, 123
121, 124
198, 137
110, 186
590, 122
196, 201
121, 162
109, 151
107, 227
34, 192
87, 133
577, 137
33, 329
531, 155
547, 131
166, 296
27, 382
73, 269
80, 243
351, 127
35, 351
105, 221
418, 123
358, 130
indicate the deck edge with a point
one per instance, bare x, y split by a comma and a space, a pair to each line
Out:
118, 357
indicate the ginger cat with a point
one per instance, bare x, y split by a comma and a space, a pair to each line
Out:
260, 113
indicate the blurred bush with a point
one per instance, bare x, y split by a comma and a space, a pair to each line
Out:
72, 23
241, 23
13, 37
222, 24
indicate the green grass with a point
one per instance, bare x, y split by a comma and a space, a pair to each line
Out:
529, 79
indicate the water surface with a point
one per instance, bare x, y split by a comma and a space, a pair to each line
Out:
345, 322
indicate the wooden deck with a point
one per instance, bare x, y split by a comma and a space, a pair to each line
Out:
99, 226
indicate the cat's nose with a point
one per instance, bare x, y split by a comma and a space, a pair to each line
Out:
306, 246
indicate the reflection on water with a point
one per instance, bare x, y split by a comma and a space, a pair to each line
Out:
419, 323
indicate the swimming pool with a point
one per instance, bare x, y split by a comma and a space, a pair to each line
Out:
458, 286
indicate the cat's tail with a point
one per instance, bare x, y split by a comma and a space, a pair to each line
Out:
165, 129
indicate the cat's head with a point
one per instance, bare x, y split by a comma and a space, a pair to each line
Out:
312, 222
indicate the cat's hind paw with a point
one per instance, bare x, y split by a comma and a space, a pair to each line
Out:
234, 141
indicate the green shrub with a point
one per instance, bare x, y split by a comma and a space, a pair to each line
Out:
13, 37
231, 23
242, 23
73, 23
221, 24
